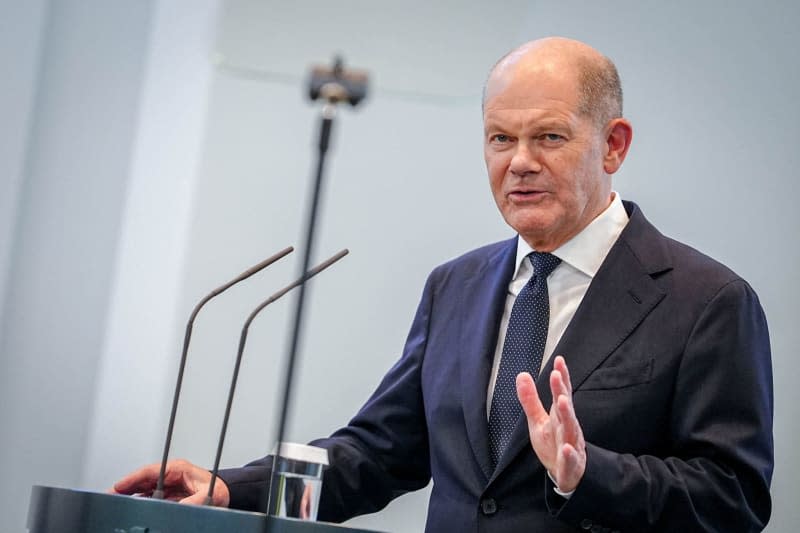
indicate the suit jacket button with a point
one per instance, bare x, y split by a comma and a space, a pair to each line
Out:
586, 524
488, 506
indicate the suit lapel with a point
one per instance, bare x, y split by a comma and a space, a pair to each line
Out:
620, 296
481, 306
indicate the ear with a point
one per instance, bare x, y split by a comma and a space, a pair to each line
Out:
618, 140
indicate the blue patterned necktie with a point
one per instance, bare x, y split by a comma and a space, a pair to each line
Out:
523, 350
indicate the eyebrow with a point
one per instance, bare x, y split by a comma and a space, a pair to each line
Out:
549, 124
543, 125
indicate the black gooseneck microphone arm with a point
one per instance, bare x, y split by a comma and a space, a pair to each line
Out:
159, 492
242, 340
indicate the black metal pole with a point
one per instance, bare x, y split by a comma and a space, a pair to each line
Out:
326, 125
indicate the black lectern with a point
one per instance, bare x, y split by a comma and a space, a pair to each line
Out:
56, 510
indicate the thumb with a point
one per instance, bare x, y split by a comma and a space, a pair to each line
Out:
198, 498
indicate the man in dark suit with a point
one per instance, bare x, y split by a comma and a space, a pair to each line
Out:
653, 411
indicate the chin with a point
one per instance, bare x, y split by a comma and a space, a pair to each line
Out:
529, 225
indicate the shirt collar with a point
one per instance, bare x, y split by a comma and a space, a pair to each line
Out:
587, 250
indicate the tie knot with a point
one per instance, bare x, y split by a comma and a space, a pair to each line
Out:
543, 263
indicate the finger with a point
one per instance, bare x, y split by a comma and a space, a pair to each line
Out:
560, 365
567, 466
305, 503
570, 456
181, 474
557, 389
529, 398
570, 469
570, 428
141, 480
176, 494
558, 427
198, 498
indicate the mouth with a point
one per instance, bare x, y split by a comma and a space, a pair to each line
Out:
526, 195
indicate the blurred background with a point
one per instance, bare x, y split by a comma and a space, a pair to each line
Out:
151, 149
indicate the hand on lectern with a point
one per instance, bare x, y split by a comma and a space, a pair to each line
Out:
183, 482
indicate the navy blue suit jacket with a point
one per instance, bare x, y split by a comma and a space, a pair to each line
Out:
670, 362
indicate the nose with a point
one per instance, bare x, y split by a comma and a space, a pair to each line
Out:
524, 161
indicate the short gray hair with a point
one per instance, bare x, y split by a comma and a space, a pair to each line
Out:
600, 90
599, 85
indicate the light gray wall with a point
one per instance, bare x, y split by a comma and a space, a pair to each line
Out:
72, 169
710, 89
20, 46
145, 316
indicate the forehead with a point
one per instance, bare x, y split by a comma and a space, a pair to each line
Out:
533, 85
531, 94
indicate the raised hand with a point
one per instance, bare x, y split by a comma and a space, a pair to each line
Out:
556, 437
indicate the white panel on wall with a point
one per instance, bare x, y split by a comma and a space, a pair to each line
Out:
21, 32
142, 340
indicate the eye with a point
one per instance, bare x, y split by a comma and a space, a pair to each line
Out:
552, 137
500, 138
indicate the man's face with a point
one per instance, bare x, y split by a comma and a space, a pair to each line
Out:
545, 160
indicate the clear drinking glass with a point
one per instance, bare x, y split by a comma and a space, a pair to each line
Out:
297, 481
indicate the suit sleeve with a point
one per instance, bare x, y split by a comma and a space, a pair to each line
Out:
381, 454
718, 473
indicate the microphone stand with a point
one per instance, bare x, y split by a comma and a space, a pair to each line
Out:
334, 85
158, 493
242, 340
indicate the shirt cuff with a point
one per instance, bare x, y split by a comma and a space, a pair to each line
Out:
565, 495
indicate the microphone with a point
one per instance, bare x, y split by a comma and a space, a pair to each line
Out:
336, 84
159, 492
242, 340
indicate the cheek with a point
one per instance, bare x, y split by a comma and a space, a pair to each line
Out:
588, 178
496, 170
570, 177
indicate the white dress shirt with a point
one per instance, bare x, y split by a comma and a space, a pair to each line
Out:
581, 258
